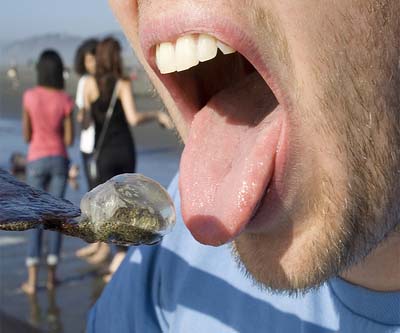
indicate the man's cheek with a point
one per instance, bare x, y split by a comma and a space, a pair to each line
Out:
126, 13
124, 10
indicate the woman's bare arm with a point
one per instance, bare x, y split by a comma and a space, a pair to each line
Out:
68, 130
26, 125
128, 104
90, 93
134, 117
79, 116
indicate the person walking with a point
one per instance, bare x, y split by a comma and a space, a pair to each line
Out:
48, 128
109, 90
85, 66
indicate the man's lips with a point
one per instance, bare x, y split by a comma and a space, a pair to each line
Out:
208, 225
181, 21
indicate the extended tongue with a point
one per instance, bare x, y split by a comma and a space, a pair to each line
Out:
228, 160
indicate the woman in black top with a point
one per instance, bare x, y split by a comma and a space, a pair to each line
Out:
117, 153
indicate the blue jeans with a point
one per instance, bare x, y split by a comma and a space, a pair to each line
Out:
49, 174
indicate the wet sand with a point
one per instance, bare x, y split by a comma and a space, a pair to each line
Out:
66, 309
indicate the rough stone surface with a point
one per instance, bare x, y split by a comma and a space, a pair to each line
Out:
23, 207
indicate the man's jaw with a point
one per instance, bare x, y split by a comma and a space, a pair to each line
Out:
236, 118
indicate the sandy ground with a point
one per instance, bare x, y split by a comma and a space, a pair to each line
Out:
63, 310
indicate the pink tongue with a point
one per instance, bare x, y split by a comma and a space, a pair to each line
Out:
228, 160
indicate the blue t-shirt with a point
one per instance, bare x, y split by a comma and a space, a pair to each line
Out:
183, 286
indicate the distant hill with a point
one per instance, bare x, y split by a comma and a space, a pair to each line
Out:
26, 51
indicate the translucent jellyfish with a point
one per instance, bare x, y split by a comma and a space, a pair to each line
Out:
129, 209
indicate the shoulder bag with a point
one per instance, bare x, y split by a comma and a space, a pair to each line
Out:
92, 163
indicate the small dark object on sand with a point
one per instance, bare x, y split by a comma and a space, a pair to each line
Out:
128, 209
18, 164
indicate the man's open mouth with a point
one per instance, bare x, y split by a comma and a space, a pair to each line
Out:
235, 124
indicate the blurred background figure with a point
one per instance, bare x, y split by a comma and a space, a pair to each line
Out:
48, 128
85, 66
12, 74
117, 152
18, 165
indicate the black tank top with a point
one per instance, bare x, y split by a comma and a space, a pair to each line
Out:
118, 132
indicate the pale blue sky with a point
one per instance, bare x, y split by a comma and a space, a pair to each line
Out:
25, 18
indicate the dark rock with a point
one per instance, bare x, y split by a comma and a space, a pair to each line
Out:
23, 207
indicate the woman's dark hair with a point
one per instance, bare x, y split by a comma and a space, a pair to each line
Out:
108, 66
87, 47
50, 70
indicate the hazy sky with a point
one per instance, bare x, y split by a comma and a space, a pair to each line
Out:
25, 18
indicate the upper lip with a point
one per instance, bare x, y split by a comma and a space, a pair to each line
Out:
169, 27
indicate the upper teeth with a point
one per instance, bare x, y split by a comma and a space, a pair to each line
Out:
188, 51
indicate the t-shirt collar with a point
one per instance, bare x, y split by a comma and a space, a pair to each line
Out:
382, 307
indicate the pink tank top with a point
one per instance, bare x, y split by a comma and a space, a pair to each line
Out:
47, 110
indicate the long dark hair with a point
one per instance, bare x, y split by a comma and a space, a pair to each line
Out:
50, 70
87, 47
108, 66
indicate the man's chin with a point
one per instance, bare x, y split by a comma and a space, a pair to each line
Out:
286, 265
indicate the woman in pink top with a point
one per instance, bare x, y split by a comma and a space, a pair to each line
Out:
48, 127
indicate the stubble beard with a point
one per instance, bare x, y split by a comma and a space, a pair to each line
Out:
359, 112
